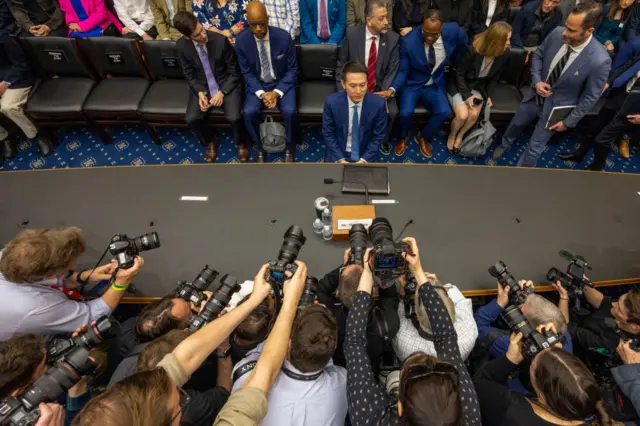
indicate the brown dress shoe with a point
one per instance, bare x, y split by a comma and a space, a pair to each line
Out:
212, 152
243, 154
401, 146
425, 147
623, 148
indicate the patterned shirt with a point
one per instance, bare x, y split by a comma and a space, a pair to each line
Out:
223, 18
284, 14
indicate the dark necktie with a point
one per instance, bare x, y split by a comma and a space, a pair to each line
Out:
431, 57
371, 66
555, 73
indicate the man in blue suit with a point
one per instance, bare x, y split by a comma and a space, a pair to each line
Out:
424, 53
322, 21
354, 122
534, 22
570, 68
267, 58
607, 126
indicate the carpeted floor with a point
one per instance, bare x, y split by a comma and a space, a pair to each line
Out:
133, 146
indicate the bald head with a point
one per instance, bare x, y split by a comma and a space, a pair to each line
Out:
258, 19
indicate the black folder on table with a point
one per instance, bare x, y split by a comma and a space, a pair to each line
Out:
375, 177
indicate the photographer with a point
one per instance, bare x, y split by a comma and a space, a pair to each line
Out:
627, 377
431, 391
336, 290
415, 334
308, 378
252, 331
33, 262
601, 330
565, 391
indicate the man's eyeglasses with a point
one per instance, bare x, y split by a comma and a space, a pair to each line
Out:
184, 401
428, 34
420, 369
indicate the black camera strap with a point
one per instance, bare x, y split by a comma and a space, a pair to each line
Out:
249, 366
421, 332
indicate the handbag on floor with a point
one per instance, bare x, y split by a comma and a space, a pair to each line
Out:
478, 140
272, 136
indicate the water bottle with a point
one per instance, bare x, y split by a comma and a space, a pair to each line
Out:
326, 232
317, 226
326, 217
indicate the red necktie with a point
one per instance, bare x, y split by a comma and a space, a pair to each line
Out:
371, 66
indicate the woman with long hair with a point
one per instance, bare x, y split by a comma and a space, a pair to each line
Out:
566, 393
226, 17
476, 70
612, 26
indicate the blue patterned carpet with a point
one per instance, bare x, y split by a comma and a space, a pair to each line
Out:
133, 146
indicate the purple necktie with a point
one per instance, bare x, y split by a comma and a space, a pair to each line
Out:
324, 23
211, 80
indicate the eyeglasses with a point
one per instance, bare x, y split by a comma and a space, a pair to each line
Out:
434, 35
419, 369
184, 401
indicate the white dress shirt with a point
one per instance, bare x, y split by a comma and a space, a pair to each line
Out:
562, 51
408, 340
441, 55
491, 9
319, 402
135, 15
351, 110
267, 48
367, 45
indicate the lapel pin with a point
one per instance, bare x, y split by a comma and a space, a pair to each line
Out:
383, 44
577, 73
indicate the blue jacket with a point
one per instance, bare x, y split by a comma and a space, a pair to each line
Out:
620, 74
335, 126
414, 69
309, 21
6, 18
283, 60
608, 30
525, 19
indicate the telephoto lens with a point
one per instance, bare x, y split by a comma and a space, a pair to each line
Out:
205, 278
146, 242
104, 328
380, 230
217, 302
358, 239
309, 293
294, 239
516, 321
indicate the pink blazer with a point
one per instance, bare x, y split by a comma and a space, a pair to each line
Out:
97, 12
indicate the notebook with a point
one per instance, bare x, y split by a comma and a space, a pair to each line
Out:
375, 177
558, 114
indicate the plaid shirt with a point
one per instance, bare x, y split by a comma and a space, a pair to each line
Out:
408, 341
284, 14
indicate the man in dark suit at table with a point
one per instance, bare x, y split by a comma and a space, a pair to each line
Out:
269, 66
607, 126
354, 121
379, 49
424, 54
210, 67
569, 68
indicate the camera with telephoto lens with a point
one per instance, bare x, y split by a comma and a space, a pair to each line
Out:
358, 239
22, 410
194, 292
294, 239
573, 280
388, 256
309, 293
216, 304
103, 329
126, 249
532, 341
517, 295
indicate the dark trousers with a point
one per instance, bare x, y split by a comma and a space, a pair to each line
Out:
62, 31
612, 132
392, 114
153, 32
197, 119
253, 114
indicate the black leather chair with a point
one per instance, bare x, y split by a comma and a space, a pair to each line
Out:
66, 85
165, 104
116, 99
316, 74
506, 95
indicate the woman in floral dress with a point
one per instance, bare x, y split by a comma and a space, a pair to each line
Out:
226, 17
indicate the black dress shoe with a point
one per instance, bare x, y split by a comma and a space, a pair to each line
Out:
385, 148
260, 156
44, 145
289, 157
9, 149
576, 157
596, 167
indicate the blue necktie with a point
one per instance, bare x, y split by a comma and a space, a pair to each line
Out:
265, 72
432, 58
355, 135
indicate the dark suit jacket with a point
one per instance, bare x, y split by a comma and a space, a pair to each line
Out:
335, 126
414, 69
283, 60
51, 9
625, 65
221, 55
6, 19
14, 67
464, 76
479, 17
458, 11
388, 59
525, 19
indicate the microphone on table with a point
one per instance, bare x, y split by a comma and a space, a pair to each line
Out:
329, 181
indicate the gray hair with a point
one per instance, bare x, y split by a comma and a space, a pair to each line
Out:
372, 5
421, 312
540, 311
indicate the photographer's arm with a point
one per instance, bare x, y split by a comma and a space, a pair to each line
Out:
593, 296
563, 302
124, 278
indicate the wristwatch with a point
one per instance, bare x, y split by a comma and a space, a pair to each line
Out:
224, 354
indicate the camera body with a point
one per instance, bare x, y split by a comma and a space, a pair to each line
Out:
194, 292
103, 329
293, 240
216, 304
573, 280
125, 249
388, 256
358, 239
517, 295
532, 341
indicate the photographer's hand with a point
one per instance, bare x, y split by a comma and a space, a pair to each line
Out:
197, 309
345, 259
524, 284
503, 296
628, 355
261, 288
366, 279
51, 415
124, 278
294, 286
549, 327
415, 266
563, 303
514, 353
101, 273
